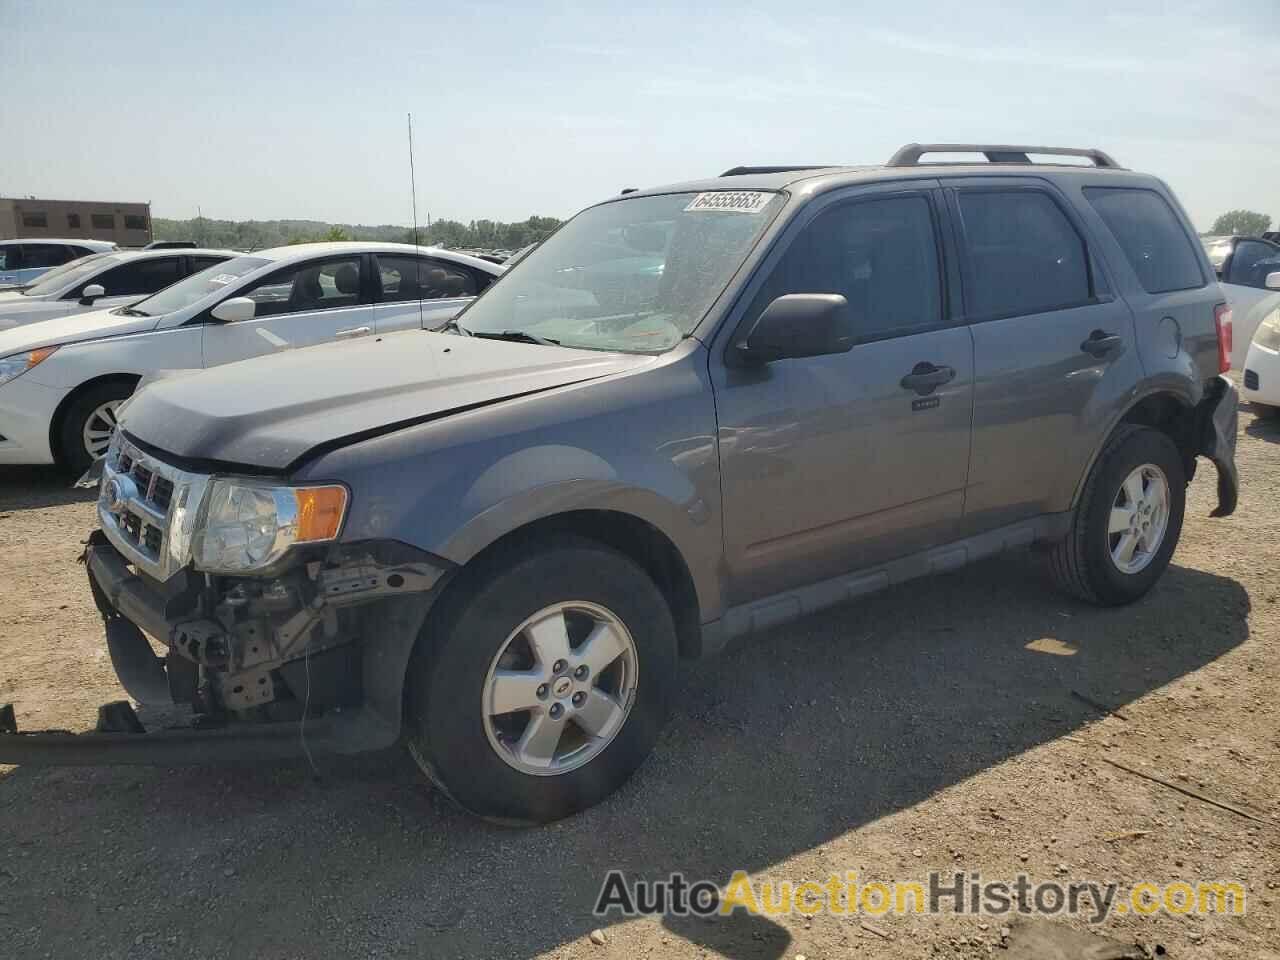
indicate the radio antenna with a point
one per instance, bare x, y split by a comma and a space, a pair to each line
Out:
413, 193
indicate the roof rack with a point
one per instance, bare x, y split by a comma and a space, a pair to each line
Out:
909, 156
746, 171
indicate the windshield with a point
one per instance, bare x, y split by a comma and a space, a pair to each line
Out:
198, 286
69, 274
635, 275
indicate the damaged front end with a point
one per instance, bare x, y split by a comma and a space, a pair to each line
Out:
246, 665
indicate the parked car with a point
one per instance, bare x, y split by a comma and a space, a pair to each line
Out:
1243, 265
62, 380
1262, 365
171, 245
24, 261
500, 540
100, 281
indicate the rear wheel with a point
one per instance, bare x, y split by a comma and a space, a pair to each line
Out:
89, 422
1127, 524
541, 683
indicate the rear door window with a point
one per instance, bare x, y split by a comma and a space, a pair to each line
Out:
416, 278
1024, 255
139, 277
1151, 236
881, 255
204, 263
44, 255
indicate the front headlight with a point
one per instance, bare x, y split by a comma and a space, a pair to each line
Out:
248, 525
20, 363
1268, 334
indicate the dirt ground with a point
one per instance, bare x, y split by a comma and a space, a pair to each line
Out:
930, 727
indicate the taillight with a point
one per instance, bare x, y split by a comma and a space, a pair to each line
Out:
1222, 322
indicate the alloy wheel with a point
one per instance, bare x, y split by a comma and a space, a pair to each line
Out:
560, 688
99, 428
1139, 518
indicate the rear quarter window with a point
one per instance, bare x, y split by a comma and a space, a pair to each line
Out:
1151, 236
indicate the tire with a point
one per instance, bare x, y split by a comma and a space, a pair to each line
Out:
72, 452
1084, 562
474, 753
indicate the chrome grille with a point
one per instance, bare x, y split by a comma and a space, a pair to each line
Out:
148, 508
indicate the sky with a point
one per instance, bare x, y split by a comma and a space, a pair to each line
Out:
270, 110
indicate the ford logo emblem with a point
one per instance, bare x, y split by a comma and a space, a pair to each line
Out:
117, 492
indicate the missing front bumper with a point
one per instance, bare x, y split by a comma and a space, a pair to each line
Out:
383, 592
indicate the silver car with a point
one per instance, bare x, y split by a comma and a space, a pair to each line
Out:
25, 261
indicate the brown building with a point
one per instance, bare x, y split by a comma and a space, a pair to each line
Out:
128, 224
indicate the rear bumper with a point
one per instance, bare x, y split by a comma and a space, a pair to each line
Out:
1217, 419
1261, 383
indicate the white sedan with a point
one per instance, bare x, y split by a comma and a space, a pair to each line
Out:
62, 380
1243, 265
102, 280
1262, 367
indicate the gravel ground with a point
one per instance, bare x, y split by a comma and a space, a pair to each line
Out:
929, 727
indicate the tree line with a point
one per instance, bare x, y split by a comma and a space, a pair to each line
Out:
1243, 223
261, 234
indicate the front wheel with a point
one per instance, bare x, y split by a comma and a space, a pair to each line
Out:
541, 683
1128, 520
89, 422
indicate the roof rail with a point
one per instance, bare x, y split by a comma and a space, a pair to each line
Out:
745, 171
909, 156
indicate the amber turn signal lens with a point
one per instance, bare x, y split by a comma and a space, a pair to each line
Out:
320, 512
39, 356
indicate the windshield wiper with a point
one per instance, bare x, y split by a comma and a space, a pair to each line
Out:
452, 326
517, 336
133, 312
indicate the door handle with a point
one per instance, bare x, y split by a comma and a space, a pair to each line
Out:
352, 332
924, 378
1100, 343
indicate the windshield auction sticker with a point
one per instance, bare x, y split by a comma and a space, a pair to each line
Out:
729, 201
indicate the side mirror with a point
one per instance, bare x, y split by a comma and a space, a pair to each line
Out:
1273, 281
91, 293
799, 325
234, 310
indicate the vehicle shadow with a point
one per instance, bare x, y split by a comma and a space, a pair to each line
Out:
1264, 426
782, 745
27, 488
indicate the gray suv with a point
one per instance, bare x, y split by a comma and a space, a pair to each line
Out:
693, 413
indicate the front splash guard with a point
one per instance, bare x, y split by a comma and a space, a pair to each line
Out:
191, 745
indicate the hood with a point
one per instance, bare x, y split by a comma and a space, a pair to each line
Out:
9, 293
17, 310
55, 331
267, 412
